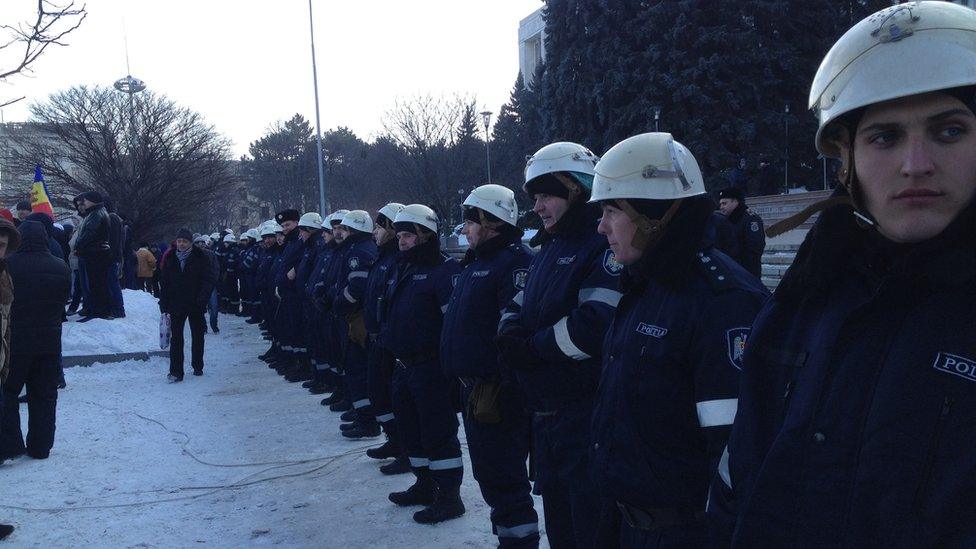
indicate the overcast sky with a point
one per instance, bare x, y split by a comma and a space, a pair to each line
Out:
245, 64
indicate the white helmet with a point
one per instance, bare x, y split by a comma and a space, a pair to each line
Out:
333, 219
649, 166
494, 199
571, 158
202, 239
358, 220
391, 210
417, 214
904, 50
229, 238
215, 237
267, 229
253, 234
310, 220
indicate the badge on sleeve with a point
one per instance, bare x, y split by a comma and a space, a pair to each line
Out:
353, 263
519, 278
611, 265
736, 339
754, 226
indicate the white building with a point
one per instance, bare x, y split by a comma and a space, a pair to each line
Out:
532, 45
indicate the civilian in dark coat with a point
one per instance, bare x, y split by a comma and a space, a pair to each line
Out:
187, 282
52, 238
92, 248
41, 282
116, 242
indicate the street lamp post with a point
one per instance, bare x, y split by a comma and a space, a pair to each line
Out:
786, 163
486, 119
318, 123
657, 117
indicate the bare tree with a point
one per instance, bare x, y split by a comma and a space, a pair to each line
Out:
426, 127
23, 43
160, 163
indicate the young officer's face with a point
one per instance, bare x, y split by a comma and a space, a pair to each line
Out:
549, 208
406, 240
915, 160
619, 229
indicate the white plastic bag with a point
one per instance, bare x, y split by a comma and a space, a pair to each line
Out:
165, 331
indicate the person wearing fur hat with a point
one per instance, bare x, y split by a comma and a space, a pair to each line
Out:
187, 283
743, 239
288, 320
92, 248
855, 419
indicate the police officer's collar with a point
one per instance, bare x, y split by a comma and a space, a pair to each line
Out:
675, 256
738, 212
354, 237
428, 253
580, 219
493, 245
388, 247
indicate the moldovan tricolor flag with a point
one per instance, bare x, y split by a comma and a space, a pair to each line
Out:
40, 202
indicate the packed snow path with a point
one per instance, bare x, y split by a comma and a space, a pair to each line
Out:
237, 457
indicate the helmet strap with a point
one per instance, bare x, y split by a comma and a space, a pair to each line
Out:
649, 231
848, 178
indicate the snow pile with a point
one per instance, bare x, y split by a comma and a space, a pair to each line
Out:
137, 332
235, 458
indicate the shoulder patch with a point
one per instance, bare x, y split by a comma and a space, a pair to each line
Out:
610, 263
736, 341
353, 263
519, 278
754, 226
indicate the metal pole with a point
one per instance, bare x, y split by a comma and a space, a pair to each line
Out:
488, 152
786, 163
318, 124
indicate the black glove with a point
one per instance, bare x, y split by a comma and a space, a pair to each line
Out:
515, 351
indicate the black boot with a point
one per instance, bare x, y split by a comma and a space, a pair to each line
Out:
310, 383
301, 372
423, 492
5, 531
270, 354
363, 429
387, 450
330, 400
321, 389
341, 406
446, 507
398, 466
349, 416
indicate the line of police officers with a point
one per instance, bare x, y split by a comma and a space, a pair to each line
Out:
617, 357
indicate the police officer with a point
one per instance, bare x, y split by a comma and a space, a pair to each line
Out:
231, 295
358, 252
309, 229
248, 270
855, 423
317, 344
334, 329
743, 239
288, 329
417, 299
379, 360
203, 243
496, 423
263, 280
552, 332
671, 360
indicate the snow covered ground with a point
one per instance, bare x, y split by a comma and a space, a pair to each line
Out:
137, 332
235, 458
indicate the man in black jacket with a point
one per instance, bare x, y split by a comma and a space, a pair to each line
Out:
742, 238
42, 282
187, 281
116, 242
92, 248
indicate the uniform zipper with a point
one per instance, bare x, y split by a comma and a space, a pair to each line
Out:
920, 493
